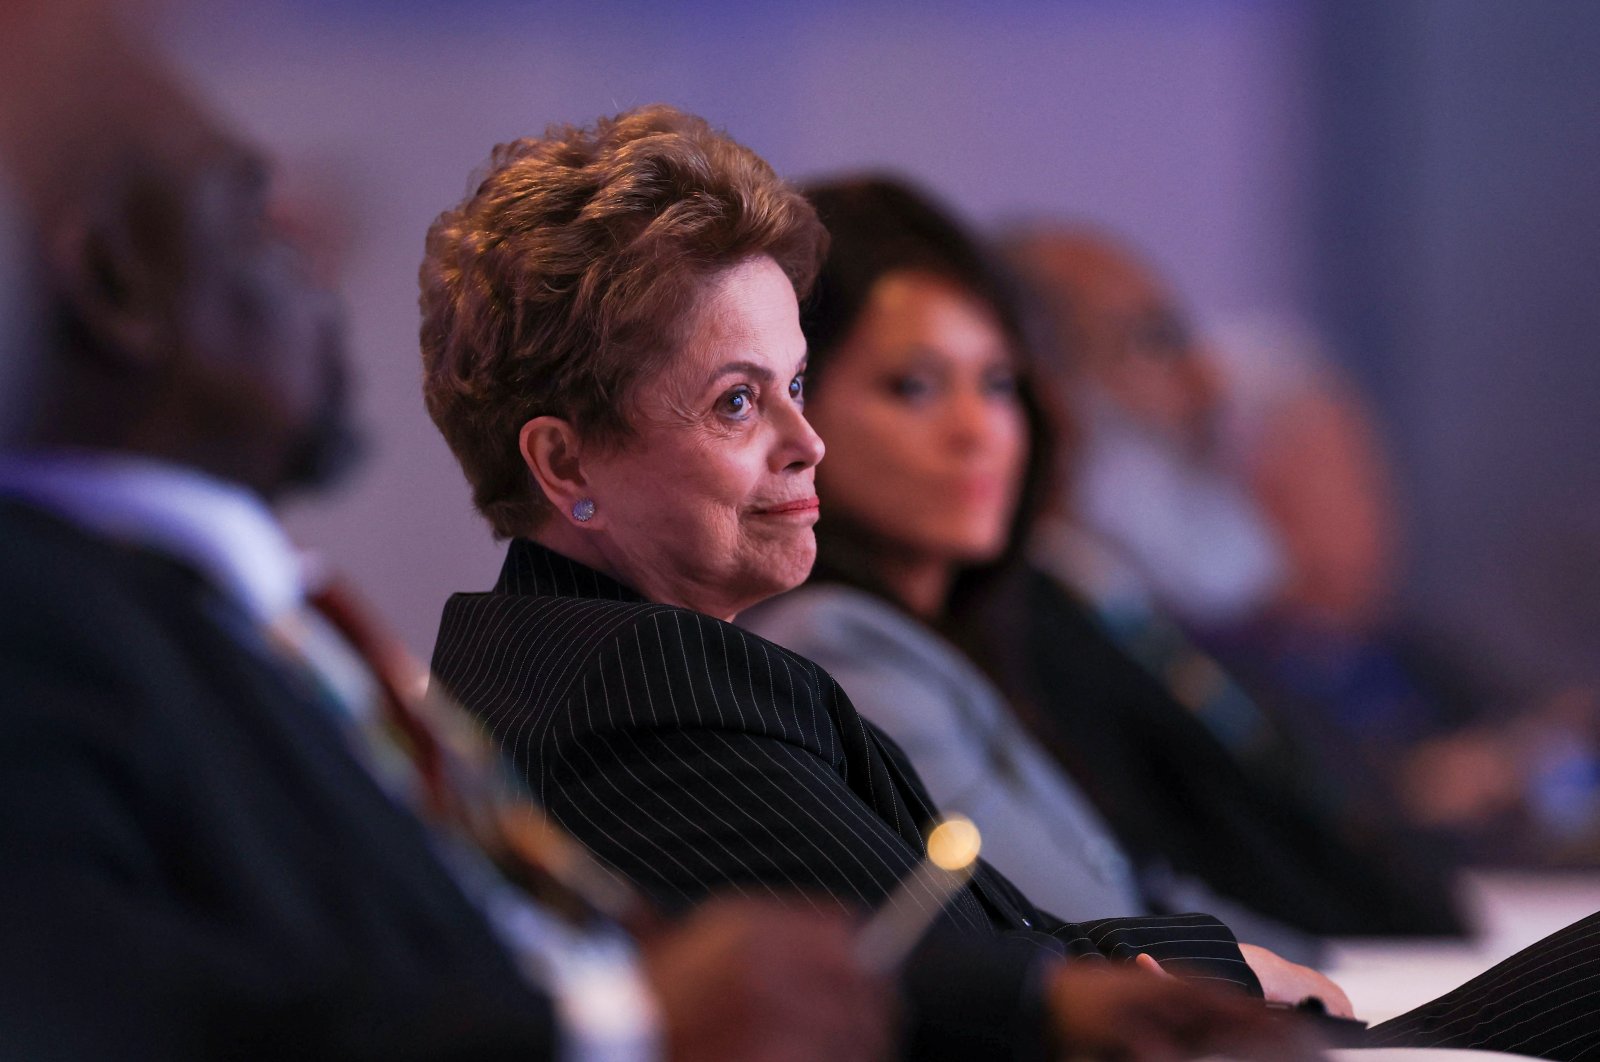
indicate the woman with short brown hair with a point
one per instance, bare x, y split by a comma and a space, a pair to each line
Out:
570, 275
612, 347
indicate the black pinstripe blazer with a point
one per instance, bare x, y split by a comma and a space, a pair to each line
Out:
696, 757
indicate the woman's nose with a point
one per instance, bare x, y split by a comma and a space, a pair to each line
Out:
799, 446
972, 421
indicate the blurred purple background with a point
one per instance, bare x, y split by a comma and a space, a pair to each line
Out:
1419, 180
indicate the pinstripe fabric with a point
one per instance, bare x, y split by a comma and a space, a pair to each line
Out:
696, 757
1544, 1001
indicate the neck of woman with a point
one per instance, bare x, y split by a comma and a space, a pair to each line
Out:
920, 585
651, 583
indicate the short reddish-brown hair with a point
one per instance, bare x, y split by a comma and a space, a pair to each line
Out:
570, 275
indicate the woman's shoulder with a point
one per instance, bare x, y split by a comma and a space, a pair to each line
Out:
893, 666
493, 633
493, 616
522, 664
705, 643
503, 648
831, 621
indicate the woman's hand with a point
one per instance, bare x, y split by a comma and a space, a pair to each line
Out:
1287, 982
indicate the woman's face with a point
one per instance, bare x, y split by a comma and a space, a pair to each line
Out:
711, 504
927, 439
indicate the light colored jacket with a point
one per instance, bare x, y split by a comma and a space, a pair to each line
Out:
975, 758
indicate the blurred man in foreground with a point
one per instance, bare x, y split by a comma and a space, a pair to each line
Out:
210, 849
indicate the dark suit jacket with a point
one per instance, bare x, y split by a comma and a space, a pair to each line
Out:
194, 864
694, 757
1172, 793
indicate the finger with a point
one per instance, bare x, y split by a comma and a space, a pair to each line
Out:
1149, 965
1337, 1002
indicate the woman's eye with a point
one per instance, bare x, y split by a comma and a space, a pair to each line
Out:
1000, 384
738, 403
912, 387
797, 388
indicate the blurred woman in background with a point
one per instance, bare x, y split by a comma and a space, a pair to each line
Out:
938, 457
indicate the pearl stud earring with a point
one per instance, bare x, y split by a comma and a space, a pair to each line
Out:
583, 510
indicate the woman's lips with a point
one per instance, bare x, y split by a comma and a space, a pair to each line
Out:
792, 508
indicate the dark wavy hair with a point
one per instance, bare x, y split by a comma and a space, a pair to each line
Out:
878, 225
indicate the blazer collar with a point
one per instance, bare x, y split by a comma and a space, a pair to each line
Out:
536, 570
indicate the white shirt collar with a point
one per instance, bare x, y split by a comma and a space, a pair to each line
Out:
224, 530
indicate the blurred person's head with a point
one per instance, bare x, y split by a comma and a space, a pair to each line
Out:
916, 385
1301, 436
1149, 508
178, 323
1122, 331
611, 347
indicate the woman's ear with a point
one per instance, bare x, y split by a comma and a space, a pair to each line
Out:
553, 452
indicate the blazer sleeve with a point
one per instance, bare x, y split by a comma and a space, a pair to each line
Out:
103, 960
697, 759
